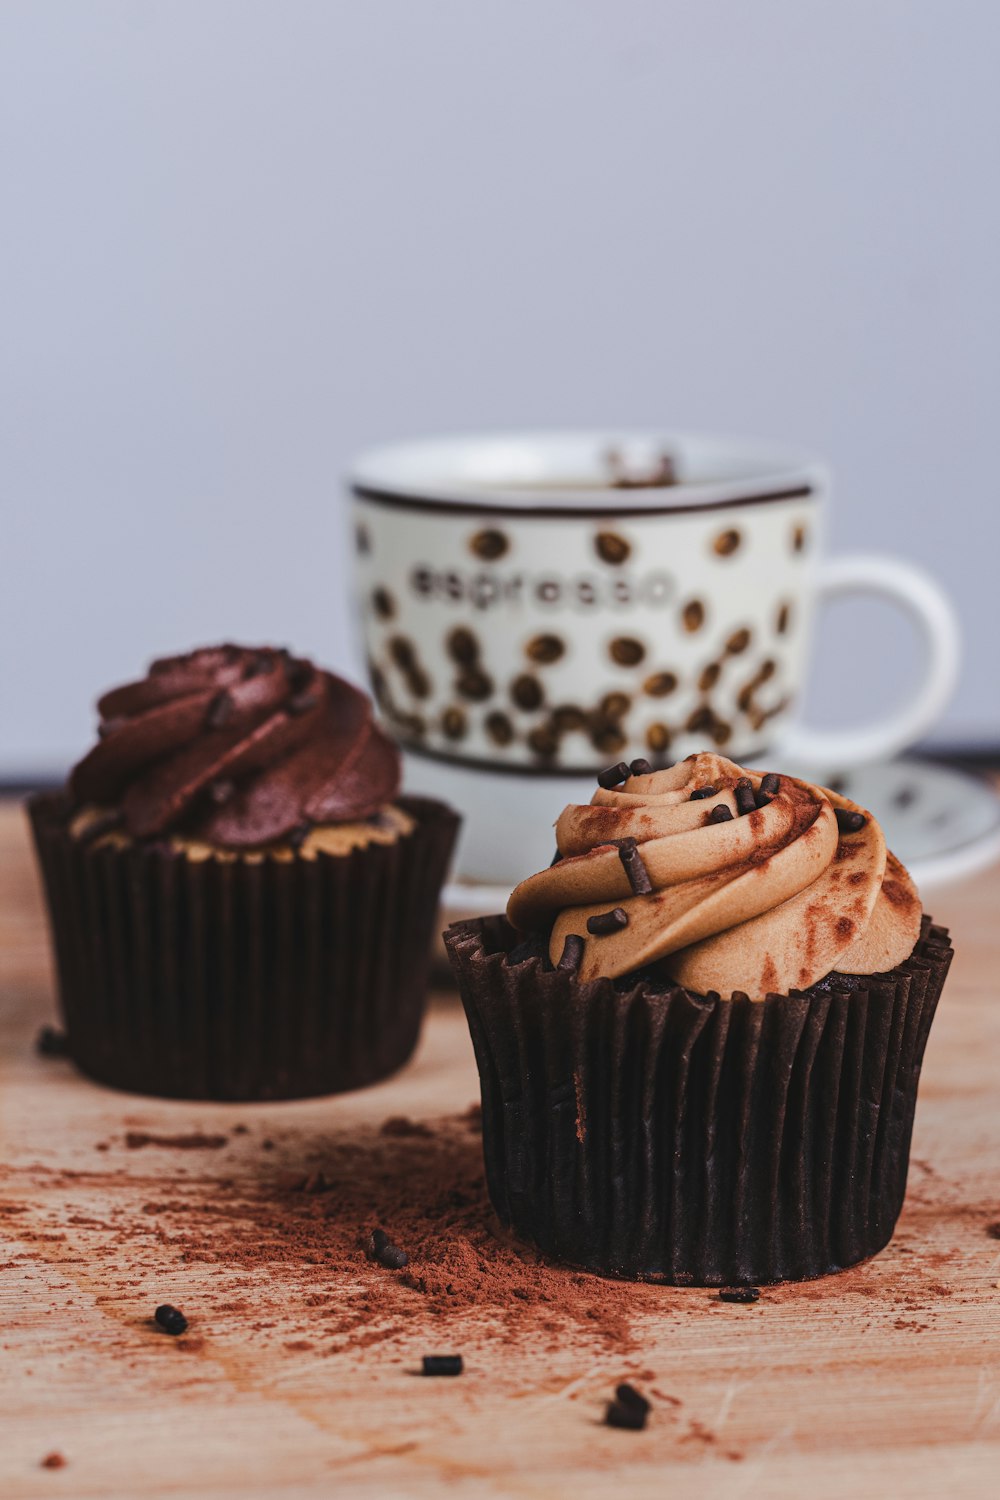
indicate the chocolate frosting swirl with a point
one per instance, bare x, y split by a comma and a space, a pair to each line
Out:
237, 746
765, 901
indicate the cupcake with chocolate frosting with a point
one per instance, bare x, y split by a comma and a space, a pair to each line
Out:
700, 1031
241, 903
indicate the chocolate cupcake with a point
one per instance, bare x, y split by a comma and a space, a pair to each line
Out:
699, 1032
241, 904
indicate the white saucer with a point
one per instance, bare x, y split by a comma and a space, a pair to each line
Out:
942, 823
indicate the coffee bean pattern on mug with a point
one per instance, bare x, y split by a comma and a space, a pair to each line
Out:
605, 725
529, 711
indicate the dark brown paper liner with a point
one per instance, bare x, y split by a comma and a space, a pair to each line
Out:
658, 1135
233, 979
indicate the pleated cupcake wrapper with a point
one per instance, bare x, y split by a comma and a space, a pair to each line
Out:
240, 979
657, 1135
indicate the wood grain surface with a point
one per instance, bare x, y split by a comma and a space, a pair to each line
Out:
883, 1381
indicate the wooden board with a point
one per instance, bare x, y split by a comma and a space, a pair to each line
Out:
884, 1381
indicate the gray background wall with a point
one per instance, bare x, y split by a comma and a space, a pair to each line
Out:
240, 240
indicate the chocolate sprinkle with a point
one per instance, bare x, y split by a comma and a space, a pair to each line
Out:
572, 953
762, 798
378, 1241
623, 1416
442, 1364
771, 784
702, 792
613, 775
51, 1042
392, 1257
220, 711
627, 1395
170, 1319
640, 767
745, 800
739, 1294
720, 814
606, 922
629, 1410
849, 822
635, 869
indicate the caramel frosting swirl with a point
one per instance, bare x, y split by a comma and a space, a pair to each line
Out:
766, 897
237, 746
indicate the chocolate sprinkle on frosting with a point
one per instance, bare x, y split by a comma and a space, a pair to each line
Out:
771, 784
850, 822
744, 794
606, 922
702, 793
739, 1294
220, 711
632, 863
720, 814
640, 767
572, 954
613, 775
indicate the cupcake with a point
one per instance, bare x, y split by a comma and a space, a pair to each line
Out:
241, 905
699, 1032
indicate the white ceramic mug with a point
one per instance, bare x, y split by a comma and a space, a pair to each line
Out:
537, 606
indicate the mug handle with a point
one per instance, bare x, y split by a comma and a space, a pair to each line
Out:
930, 608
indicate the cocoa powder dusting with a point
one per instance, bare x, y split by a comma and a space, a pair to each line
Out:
294, 1226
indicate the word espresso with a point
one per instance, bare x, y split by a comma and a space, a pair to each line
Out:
488, 589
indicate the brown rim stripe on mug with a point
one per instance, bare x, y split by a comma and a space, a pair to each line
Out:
403, 501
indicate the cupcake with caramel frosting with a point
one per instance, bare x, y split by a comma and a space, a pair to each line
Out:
756, 882
222, 873
700, 1030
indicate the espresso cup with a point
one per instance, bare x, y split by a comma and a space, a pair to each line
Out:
536, 607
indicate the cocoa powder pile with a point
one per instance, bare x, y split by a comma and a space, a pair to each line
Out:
422, 1182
